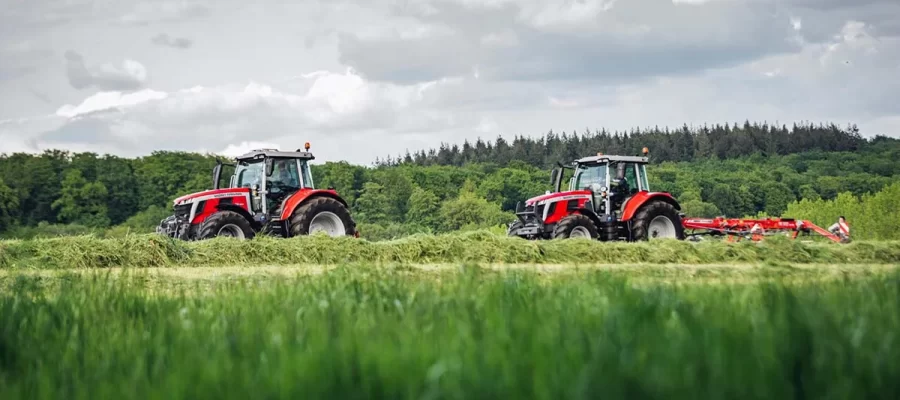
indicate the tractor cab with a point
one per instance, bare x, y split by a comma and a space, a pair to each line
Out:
271, 175
611, 180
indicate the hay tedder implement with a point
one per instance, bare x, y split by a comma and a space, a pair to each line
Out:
609, 199
735, 229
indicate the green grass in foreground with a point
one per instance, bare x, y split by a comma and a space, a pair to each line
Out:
402, 332
478, 246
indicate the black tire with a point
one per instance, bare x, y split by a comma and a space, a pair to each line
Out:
213, 225
641, 229
303, 215
575, 222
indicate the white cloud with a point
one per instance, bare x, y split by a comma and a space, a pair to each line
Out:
130, 75
335, 108
109, 101
234, 150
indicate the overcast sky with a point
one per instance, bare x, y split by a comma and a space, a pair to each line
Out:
370, 78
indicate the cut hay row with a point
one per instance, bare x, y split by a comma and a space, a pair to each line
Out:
482, 247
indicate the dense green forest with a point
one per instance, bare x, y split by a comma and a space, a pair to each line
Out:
734, 170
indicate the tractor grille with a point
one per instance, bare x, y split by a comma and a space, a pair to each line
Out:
531, 213
183, 210
538, 210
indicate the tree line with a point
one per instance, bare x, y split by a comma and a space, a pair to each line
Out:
58, 192
720, 141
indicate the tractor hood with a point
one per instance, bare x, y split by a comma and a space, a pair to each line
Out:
575, 194
210, 194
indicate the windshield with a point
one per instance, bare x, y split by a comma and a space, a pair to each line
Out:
248, 174
590, 177
284, 174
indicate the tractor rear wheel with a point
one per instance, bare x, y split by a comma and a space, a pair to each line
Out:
575, 226
322, 214
227, 224
657, 220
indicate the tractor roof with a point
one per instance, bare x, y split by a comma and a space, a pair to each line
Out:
608, 158
274, 153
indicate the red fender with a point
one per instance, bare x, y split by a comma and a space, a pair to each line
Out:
301, 195
641, 198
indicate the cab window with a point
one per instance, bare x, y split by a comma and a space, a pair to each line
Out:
631, 178
590, 176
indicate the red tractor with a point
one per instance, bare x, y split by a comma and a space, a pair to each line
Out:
270, 192
608, 198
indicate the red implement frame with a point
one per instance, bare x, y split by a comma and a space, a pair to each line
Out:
755, 229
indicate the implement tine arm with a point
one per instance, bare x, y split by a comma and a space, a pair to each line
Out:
757, 228
821, 231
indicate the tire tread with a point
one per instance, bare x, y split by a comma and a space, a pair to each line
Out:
209, 228
565, 226
303, 215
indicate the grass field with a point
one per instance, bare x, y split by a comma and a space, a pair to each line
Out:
453, 317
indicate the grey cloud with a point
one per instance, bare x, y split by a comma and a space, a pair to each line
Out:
40, 95
408, 61
21, 59
130, 76
165, 40
714, 35
8, 73
23, 18
834, 4
149, 12
821, 20
83, 130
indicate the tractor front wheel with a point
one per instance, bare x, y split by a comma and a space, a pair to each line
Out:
514, 227
657, 220
575, 226
227, 224
322, 214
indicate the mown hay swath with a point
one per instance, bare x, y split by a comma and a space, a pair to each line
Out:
479, 246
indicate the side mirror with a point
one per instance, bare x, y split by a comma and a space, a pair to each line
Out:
217, 173
554, 174
270, 167
556, 179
